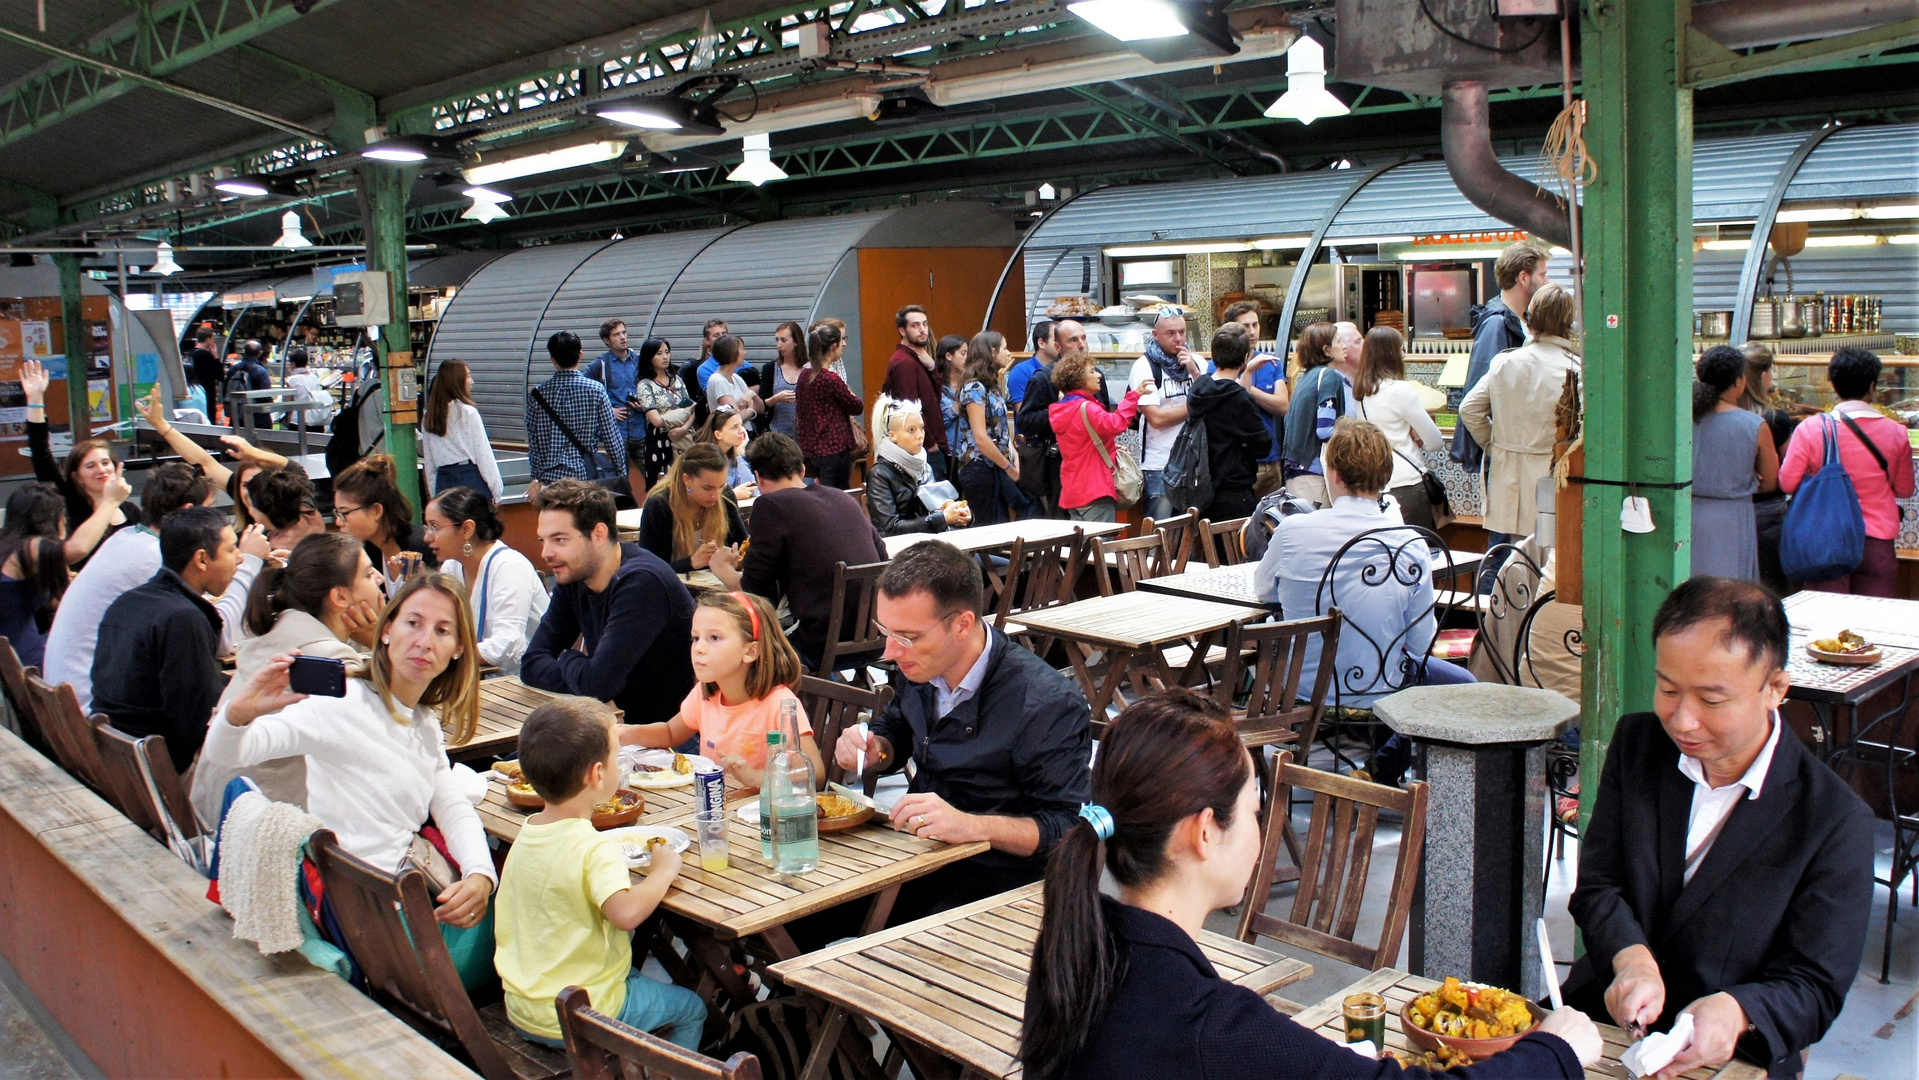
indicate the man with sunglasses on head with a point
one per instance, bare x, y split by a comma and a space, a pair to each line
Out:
1000, 742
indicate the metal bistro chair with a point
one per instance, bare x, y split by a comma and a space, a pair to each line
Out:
601, 1048
851, 641
1339, 853
1223, 543
390, 931
831, 707
1401, 557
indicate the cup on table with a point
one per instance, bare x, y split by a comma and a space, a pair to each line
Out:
710, 825
1365, 1016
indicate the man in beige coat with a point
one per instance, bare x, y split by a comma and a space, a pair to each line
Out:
1511, 411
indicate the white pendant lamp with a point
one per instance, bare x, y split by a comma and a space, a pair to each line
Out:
488, 205
164, 265
758, 167
290, 234
1306, 98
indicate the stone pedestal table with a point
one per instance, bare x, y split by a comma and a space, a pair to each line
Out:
1482, 874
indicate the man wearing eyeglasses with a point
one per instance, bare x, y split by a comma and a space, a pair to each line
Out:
1000, 741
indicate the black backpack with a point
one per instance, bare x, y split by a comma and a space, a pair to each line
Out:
1189, 469
347, 440
1258, 531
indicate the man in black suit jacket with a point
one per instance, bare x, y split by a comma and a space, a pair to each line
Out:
1726, 872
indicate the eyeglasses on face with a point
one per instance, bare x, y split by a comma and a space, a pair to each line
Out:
908, 640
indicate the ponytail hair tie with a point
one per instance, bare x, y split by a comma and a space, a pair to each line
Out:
1098, 817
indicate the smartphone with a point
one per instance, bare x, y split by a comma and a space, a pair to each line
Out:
318, 675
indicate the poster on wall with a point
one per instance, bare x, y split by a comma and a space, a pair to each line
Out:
146, 375
97, 398
36, 339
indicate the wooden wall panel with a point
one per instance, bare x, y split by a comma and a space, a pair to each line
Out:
953, 284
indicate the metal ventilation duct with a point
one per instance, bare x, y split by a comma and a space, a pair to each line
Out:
1467, 138
1741, 24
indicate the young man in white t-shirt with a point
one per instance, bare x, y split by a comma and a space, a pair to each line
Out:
1173, 366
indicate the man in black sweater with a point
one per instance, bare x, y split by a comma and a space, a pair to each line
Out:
205, 370
156, 669
797, 535
627, 608
1726, 872
1236, 435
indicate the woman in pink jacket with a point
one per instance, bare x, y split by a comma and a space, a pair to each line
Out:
1085, 471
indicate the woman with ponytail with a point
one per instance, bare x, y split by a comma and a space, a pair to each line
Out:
1119, 988
326, 597
822, 405
1733, 458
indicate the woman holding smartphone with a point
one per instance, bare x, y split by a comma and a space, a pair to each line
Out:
377, 772
325, 599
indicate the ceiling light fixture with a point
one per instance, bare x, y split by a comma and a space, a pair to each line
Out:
1132, 20
1725, 245
1861, 240
163, 263
1280, 243
1436, 256
1892, 213
758, 167
1196, 248
484, 212
686, 108
405, 149
486, 195
568, 157
1306, 98
243, 185
1163, 31
290, 234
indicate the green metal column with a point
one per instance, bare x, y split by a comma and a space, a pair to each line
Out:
385, 187
74, 344
1638, 352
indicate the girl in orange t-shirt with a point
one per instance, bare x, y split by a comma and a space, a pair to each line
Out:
745, 668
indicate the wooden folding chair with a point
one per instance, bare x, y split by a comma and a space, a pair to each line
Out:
1223, 543
393, 938
1181, 537
13, 681
1339, 852
832, 707
147, 805
601, 1048
1039, 574
69, 732
1123, 564
849, 625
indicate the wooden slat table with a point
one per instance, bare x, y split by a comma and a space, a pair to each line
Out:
952, 986
703, 581
1135, 630
505, 703
664, 806
1399, 987
983, 539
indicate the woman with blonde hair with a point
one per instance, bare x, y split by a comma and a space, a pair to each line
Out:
376, 766
688, 521
1513, 412
1383, 395
900, 470
453, 442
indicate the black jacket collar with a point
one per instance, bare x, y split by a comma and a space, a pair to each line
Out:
1139, 927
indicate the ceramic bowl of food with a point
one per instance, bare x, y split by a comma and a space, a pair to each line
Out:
624, 808
839, 813
1478, 1021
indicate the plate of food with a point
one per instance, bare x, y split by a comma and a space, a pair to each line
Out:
624, 808
1845, 647
638, 841
1470, 1019
839, 812
520, 793
1443, 1059
662, 768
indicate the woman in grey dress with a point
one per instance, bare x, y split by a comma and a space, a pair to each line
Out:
1733, 458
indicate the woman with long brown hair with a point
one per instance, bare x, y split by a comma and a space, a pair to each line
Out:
369, 506
985, 449
1384, 397
1313, 381
782, 378
453, 442
89, 481
824, 403
376, 766
33, 568
1119, 987
688, 520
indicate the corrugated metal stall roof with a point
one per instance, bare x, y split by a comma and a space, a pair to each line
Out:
1253, 206
491, 325
757, 278
625, 281
1730, 177
448, 271
1418, 197
1861, 163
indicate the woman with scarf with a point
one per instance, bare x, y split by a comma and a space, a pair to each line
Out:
900, 470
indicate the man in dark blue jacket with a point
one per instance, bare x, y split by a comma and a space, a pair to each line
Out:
1726, 872
156, 668
1520, 272
630, 613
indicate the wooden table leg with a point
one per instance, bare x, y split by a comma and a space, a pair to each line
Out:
717, 962
821, 1059
882, 907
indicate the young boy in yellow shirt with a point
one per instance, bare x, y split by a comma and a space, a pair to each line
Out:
567, 906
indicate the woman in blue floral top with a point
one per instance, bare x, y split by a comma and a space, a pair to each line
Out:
986, 441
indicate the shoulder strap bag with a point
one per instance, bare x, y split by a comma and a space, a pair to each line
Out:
1128, 483
1824, 535
600, 468
1436, 495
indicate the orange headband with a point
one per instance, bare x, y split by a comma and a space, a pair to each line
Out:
747, 603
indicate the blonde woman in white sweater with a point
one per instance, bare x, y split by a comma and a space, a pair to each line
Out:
376, 767
1384, 397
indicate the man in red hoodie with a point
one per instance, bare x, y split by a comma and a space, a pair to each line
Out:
909, 377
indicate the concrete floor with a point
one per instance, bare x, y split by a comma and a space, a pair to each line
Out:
32, 1046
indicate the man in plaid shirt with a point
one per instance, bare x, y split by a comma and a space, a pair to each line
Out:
582, 405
